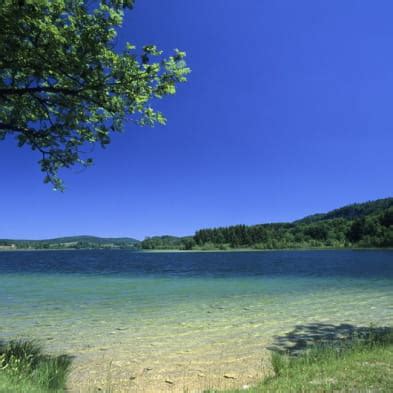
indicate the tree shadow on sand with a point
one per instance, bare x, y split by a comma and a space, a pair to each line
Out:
305, 336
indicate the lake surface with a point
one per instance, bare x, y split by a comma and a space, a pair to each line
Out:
135, 320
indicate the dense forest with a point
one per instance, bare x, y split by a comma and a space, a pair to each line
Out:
367, 224
168, 243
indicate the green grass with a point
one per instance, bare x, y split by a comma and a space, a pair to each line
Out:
24, 368
361, 364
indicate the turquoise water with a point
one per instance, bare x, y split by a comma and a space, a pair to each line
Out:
190, 317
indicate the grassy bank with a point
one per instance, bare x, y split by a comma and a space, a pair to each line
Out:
25, 369
360, 364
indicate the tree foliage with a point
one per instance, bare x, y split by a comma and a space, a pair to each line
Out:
64, 86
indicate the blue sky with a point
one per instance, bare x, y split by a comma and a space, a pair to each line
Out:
287, 112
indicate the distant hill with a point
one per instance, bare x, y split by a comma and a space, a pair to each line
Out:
92, 239
72, 242
368, 224
351, 212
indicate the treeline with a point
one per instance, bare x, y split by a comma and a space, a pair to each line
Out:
72, 242
168, 243
368, 224
274, 236
336, 233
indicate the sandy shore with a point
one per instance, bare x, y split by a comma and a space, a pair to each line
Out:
170, 372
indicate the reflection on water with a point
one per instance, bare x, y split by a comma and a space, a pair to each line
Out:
185, 315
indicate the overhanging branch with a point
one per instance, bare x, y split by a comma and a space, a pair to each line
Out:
40, 89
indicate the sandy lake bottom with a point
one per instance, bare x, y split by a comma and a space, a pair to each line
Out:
177, 327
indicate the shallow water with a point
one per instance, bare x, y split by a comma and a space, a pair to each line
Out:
134, 320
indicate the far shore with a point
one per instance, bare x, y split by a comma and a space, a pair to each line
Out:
268, 250
174, 250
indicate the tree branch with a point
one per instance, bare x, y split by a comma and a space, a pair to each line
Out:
40, 89
12, 127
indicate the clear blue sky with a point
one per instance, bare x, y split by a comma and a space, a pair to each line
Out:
288, 111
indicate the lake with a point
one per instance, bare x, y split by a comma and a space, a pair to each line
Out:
141, 321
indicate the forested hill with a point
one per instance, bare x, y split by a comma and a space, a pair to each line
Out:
72, 242
367, 224
351, 212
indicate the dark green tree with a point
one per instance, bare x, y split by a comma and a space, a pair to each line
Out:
387, 218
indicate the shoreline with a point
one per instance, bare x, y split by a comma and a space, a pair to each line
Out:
174, 250
269, 250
